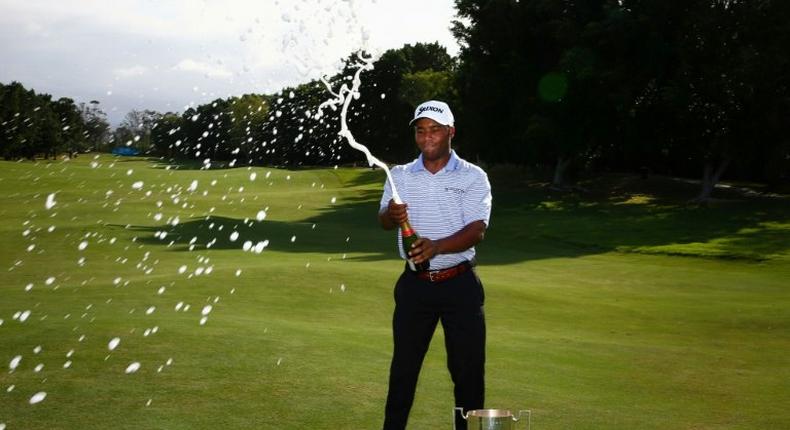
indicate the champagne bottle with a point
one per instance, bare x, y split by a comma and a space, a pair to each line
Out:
409, 236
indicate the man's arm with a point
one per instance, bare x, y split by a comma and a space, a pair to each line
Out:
465, 238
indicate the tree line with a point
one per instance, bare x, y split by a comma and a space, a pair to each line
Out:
36, 125
693, 88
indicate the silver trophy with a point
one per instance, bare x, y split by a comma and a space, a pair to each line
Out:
492, 419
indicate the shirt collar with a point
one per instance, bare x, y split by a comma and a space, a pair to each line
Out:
452, 163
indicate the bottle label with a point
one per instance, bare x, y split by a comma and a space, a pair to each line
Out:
406, 232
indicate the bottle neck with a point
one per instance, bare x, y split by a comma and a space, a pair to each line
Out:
406, 229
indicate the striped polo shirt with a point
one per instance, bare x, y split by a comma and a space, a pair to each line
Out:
443, 203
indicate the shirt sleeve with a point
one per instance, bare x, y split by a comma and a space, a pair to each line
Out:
385, 196
477, 200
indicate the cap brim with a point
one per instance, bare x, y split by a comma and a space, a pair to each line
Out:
430, 115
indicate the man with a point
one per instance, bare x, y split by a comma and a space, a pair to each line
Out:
447, 200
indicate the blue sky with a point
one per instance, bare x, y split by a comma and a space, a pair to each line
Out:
167, 55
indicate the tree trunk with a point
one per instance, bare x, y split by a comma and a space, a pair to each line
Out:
710, 178
559, 172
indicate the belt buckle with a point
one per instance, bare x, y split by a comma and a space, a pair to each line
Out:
430, 276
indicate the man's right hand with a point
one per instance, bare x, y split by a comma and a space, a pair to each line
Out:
394, 216
397, 213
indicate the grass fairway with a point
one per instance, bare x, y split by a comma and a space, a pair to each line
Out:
620, 309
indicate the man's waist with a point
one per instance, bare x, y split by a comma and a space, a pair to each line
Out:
444, 274
443, 261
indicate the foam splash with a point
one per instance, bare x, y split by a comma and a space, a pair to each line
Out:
343, 97
50, 202
14, 363
133, 367
38, 397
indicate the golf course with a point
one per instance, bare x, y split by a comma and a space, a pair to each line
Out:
140, 294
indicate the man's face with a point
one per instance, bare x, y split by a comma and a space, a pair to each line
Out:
433, 138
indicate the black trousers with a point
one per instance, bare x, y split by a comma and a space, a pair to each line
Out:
419, 305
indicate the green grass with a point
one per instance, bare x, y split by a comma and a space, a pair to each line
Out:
623, 308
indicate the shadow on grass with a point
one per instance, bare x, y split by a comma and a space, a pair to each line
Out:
621, 213
344, 228
529, 222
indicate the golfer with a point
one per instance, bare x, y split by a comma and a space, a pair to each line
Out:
447, 200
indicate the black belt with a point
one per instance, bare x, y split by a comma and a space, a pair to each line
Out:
444, 274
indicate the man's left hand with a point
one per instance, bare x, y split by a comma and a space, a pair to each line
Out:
423, 250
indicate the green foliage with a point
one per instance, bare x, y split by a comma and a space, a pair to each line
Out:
400, 80
96, 127
425, 85
552, 87
670, 86
167, 136
297, 137
72, 126
34, 125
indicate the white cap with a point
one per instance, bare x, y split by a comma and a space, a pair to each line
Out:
435, 110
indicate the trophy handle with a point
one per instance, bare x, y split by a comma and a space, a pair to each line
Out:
455, 415
529, 417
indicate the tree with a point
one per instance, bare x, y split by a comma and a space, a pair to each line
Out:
400, 80
668, 85
33, 124
720, 82
136, 129
427, 84
96, 128
72, 127
167, 136
248, 115
534, 79
16, 110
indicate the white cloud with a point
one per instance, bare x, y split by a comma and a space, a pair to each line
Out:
128, 72
208, 70
33, 28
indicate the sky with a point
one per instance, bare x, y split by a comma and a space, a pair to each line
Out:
167, 55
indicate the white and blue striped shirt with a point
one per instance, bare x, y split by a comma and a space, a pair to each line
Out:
443, 203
